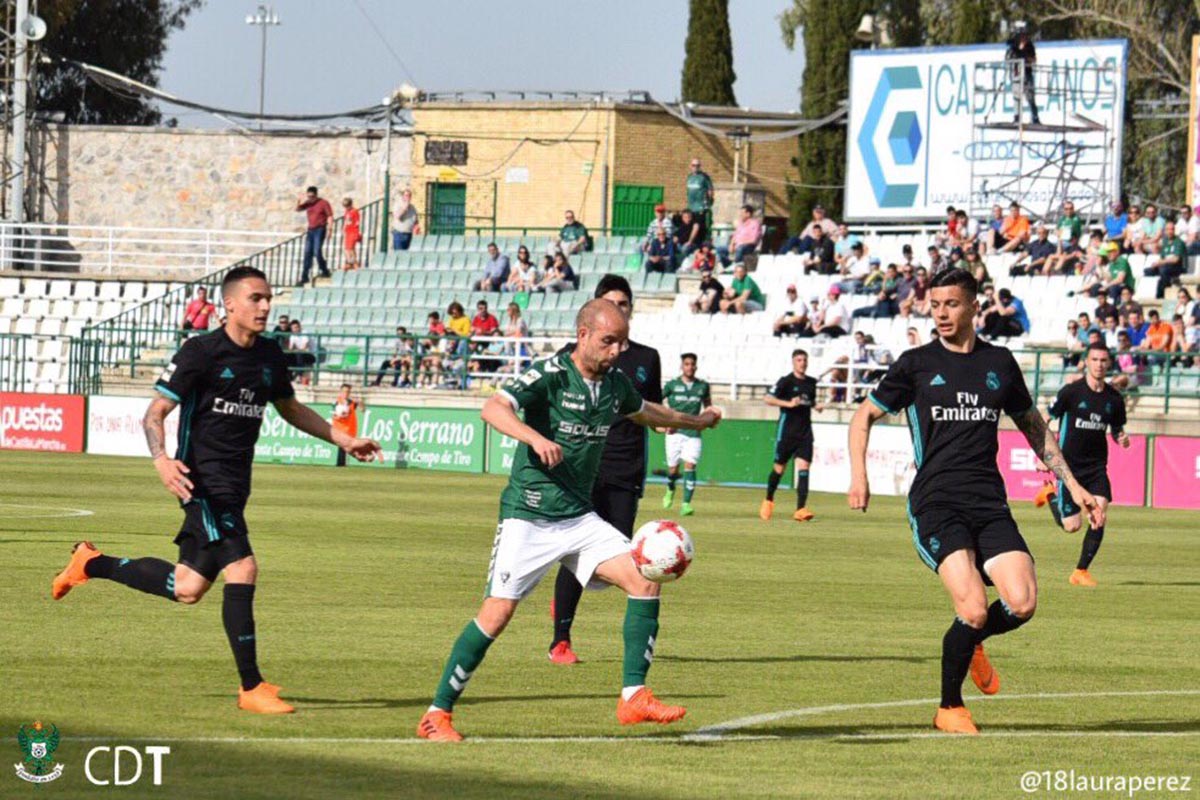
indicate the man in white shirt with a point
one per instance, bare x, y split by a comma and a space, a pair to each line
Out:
832, 319
793, 321
1188, 227
855, 269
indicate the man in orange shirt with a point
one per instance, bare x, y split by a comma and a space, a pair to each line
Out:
1014, 231
1159, 337
198, 312
345, 418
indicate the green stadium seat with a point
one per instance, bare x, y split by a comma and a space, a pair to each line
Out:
589, 282
420, 280
320, 316
537, 301
337, 316
456, 243
402, 280
475, 244
380, 317
337, 296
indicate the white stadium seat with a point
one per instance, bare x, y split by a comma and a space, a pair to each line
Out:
85, 290
59, 289
110, 290
25, 326
10, 287
38, 308
88, 309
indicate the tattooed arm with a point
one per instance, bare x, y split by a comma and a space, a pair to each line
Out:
1033, 426
172, 472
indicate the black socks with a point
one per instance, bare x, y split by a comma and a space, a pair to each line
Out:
958, 645
238, 615
772, 484
149, 575
1000, 620
567, 591
801, 488
1091, 545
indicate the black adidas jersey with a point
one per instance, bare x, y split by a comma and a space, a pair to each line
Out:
222, 390
795, 422
953, 403
1083, 418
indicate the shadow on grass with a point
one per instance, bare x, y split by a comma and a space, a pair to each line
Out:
307, 704
1159, 583
801, 658
901, 728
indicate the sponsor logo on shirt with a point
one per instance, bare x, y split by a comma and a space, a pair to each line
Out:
580, 430
1094, 422
967, 410
244, 406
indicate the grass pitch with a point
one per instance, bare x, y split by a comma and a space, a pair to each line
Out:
366, 577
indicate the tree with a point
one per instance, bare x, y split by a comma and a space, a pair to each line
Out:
128, 37
708, 63
828, 39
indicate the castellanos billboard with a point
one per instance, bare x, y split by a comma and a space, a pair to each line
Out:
912, 113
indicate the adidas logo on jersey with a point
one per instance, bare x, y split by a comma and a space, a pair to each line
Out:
1082, 404
938, 380
226, 373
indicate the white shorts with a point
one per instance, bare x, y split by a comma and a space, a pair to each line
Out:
525, 550
682, 448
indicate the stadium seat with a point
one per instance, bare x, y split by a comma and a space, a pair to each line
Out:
109, 290
59, 289
10, 287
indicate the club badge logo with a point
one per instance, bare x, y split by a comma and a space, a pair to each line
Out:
38, 744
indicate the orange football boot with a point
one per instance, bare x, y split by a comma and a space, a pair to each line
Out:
73, 574
262, 700
982, 673
955, 720
436, 727
1081, 577
803, 515
766, 510
1043, 496
645, 707
562, 653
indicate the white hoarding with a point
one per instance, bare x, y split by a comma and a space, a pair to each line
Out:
913, 139
890, 467
115, 426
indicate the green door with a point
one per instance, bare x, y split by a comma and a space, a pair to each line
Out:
447, 204
633, 208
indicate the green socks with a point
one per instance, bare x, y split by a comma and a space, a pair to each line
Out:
641, 627
689, 485
466, 655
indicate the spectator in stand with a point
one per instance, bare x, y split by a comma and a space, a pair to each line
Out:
1128, 305
1014, 231
198, 312
517, 352
743, 295
708, 298
345, 418
457, 322
1172, 260
1006, 318
794, 319
573, 237
1068, 258
320, 216
495, 271
1179, 344
523, 276
1135, 232
874, 280
1186, 307
400, 361
559, 278
406, 222
432, 350
1104, 311
1086, 328
1033, 260
704, 258
1115, 223
746, 238
820, 256
689, 234
1136, 328
957, 258
886, 302
1127, 361
351, 234
1159, 338
973, 264
1188, 228
1074, 346
1110, 330
937, 261
660, 257
283, 326
1069, 226
660, 222
913, 292
301, 353
906, 255
967, 232
1116, 270
484, 322
832, 319
843, 245
993, 237
1153, 225
802, 242
699, 189
986, 304
855, 269
913, 337
947, 235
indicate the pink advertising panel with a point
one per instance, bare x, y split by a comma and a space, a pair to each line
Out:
1126, 469
1176, 472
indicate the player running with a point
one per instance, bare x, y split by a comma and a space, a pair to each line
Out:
795, 395
954, 389
547, 514
224, 381
622, 475
691, 396
1085, 410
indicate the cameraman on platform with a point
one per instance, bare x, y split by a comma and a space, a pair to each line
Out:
1021, 58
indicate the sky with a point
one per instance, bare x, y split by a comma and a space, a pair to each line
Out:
327, 56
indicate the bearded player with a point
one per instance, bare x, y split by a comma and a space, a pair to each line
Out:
546, 514
954, 390
223, 380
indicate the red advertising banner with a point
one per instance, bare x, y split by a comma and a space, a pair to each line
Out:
49, 422
1176, 472
1126, 469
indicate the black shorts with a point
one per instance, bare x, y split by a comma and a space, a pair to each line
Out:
616, 505
1094, 480
213, 535
794, 446
939, 531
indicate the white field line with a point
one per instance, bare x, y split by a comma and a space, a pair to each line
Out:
29, 511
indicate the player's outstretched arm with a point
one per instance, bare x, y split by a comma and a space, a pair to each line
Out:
498, 412
867, 414
654, 415
172, 472
303, 418
1033, 426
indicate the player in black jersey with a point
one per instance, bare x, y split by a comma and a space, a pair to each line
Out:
953, 391
622, 477
222, 381
795, 395
1085, 410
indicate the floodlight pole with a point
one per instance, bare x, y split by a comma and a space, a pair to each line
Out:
265, 16
20, 96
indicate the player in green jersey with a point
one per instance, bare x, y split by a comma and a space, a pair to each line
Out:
691, 396
570, 400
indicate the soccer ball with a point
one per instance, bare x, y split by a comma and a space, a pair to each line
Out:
662, 550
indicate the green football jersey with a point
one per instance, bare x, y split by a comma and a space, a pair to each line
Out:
574, 413
686, 399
